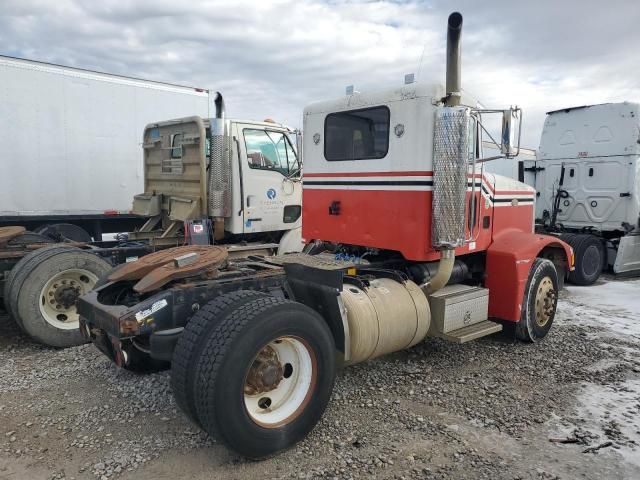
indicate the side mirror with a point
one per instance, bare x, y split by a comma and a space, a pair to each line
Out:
299, 138
511, 130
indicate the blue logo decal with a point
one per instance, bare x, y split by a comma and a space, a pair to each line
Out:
271, 194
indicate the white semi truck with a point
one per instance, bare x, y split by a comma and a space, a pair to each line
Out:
205, 180
587, 177
71, 144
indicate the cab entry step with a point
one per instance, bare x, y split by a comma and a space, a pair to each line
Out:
472, 332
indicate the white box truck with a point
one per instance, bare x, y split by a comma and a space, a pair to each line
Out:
71, 142
587, 177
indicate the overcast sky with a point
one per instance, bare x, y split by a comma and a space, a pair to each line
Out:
271, 58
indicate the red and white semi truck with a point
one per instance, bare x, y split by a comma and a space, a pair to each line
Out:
407, 239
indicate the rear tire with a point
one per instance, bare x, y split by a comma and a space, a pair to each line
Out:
283, 344
192, 341
43, 289
589, 259
540, 301
19, 270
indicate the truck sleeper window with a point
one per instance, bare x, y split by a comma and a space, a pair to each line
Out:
357, 134
270, 151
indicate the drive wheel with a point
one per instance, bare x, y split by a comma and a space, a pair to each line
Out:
265, 376
16, 275
191, 343
44, 290
540, 302
589, 259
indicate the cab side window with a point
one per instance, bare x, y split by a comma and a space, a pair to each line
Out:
269, 150
357, 134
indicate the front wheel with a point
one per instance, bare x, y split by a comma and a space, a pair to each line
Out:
265, 376
540, 301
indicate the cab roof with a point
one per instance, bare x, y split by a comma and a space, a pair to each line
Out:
383, 97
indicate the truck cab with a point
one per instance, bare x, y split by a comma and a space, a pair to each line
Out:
586, 173
590, 152
369, 175
245, 182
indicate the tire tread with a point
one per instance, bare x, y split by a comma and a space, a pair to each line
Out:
183, 370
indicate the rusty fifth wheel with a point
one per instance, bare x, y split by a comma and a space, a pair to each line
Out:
540, 301
264, 376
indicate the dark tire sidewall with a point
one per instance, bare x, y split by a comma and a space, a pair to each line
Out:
21, 270
528, 328
193, 352
243, 434
28, 299
584, 246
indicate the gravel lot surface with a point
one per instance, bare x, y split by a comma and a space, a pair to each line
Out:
566, 408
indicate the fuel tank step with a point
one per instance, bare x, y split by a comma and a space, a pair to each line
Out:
471, 332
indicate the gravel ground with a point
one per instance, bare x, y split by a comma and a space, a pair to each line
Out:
497, 409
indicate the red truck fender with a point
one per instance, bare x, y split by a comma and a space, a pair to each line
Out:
509, 259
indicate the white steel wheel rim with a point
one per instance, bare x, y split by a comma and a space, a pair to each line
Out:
53, 309
292, 394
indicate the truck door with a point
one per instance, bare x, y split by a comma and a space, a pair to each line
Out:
605, 188
596, 190
272, 188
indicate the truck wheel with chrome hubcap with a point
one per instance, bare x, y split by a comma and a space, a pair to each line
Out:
540, 301
265, 376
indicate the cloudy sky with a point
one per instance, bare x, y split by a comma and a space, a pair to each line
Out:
272, 57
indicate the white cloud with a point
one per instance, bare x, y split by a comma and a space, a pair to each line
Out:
271, 58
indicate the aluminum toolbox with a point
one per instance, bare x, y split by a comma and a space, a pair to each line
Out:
457, 306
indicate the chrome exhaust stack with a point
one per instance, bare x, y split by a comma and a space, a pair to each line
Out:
219, 181
454, 30
450, 165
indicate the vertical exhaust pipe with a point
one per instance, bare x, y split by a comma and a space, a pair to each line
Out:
454, 29
450, 179
219, 104
219, 181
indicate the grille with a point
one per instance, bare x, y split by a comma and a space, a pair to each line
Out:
450, 157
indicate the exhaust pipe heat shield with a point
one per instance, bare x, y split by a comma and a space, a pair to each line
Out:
450, 167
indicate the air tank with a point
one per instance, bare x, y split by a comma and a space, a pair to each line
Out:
384, 317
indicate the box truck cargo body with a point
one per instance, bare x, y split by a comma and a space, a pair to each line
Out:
71, 141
